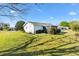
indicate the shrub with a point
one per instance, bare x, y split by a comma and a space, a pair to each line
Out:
53, 30
74, 25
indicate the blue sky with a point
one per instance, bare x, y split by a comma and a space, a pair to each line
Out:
52, 13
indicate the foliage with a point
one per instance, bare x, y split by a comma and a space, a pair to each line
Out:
19, 25
64, 23
74, 25
4, 26
53, 30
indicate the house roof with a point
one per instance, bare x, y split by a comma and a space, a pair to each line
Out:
39, 24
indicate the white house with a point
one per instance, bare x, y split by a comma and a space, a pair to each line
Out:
32, 27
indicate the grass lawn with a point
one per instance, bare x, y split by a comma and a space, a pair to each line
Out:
20, 43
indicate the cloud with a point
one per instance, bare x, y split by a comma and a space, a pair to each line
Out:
51, 18
12, 11
72, 13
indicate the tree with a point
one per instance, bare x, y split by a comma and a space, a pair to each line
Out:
6, 26
19, 25
74, 25
64, 23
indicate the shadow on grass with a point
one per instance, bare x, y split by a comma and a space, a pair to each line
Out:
25, 45
53, 51
22, 46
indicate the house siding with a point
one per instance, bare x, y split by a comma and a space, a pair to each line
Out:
29, 28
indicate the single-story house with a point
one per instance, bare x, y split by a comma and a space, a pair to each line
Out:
32, 27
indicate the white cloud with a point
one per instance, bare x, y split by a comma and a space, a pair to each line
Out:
51, 18
12, 11
72, 13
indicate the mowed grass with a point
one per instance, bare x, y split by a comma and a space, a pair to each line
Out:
20, 43
12, 39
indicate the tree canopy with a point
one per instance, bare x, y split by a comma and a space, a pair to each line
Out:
64, 23
74, 25
19, 25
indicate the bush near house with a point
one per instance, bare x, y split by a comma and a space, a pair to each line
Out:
53, 30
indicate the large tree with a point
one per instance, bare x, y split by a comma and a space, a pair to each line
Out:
19, 25
64, 23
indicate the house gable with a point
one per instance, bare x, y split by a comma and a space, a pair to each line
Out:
29, 27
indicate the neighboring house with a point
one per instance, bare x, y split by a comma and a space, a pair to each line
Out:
32, 27
63, 28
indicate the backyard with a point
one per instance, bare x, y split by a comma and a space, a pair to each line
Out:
19, 43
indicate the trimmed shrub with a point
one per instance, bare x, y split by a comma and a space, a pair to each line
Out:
53, 30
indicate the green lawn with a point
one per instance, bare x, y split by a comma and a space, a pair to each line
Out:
20, 43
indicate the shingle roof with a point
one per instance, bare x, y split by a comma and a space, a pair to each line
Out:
39, 24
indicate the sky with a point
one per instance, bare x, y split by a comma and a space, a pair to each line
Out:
52, 13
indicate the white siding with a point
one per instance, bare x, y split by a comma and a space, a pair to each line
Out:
29, 28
